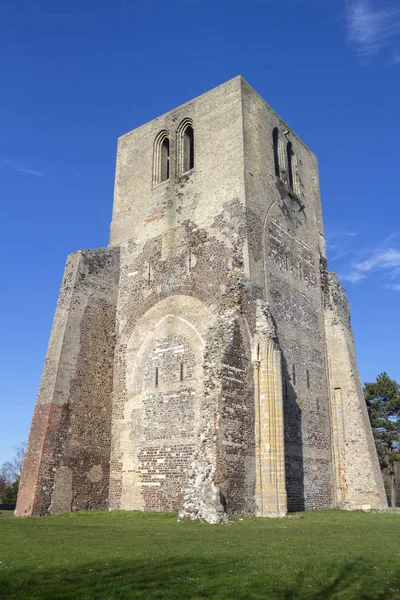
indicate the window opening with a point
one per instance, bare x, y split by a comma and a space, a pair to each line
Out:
275, 135
289, 149
165, 160
181, 372
308, 379
294, 374
156, 377
188, 149
161, 159
185, 146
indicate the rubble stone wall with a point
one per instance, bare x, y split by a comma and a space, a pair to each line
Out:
68, 454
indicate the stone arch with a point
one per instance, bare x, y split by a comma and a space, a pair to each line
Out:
161, 157
156, 422
185, 146
193, 291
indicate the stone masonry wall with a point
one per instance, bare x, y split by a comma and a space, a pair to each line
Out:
179, 241
67, 461
285, 234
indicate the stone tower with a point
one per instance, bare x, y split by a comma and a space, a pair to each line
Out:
204, 362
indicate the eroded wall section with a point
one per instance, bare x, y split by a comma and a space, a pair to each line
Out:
357, 476
67, 461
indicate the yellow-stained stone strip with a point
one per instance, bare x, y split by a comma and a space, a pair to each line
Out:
271, 495
338, 441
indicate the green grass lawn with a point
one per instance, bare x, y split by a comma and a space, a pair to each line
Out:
121, 555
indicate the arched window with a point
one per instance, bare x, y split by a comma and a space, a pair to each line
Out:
185, 143
165, 160
275, 135
293, 170
161, 168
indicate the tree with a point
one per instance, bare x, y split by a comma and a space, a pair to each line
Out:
10, 473
3, 486
10, 493
383, 402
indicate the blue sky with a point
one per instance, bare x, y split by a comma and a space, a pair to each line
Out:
75, 75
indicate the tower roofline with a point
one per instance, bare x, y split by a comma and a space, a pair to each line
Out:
243, 82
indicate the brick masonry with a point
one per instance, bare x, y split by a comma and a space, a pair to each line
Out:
204, 361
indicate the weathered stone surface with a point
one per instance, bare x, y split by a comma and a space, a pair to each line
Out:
204, 362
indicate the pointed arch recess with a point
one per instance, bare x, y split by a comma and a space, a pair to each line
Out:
161, 157
185, 146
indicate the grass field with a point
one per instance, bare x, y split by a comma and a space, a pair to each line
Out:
124, 555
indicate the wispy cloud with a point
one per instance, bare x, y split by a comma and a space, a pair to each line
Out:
383, 262
16, 166
356, 262
338, 242
352, 276
381, 259
371, 27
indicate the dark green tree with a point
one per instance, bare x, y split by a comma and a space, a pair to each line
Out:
3, 485
10, 493
383, 402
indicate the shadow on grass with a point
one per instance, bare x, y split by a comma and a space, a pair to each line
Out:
195, 578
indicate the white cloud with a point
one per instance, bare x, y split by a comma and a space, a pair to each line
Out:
338, 256
20, 168
370, 28
382, 259
353, 277
394, 286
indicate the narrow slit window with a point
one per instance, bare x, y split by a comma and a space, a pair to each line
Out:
275, 135
181, 373
294, 374
156, 377
308, 379
165, 160
188, 149
289, 148
185, 146
161, 160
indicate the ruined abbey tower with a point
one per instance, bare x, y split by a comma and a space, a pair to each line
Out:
204, 361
